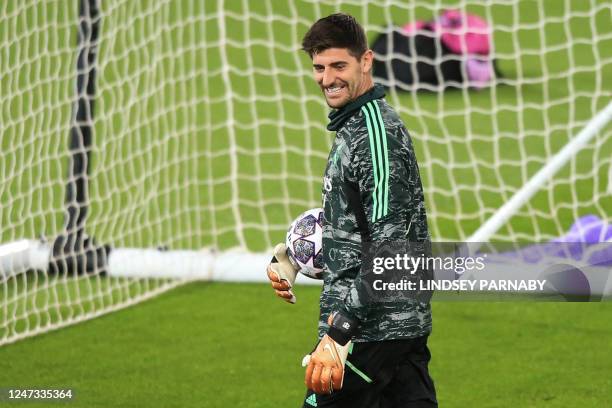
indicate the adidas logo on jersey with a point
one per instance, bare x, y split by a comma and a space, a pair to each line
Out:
312, 400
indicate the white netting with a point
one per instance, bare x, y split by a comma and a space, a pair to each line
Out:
209, 131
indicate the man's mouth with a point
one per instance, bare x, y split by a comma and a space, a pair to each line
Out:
334, 90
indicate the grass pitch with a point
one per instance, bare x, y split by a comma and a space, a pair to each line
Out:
236, 345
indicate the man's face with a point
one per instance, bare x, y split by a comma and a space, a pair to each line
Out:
341, 76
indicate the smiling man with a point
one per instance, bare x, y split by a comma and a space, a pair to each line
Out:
369, 354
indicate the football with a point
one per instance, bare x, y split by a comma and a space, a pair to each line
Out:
305, 243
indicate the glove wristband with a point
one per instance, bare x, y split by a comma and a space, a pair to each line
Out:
342, 329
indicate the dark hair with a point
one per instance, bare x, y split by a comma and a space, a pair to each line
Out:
336, 31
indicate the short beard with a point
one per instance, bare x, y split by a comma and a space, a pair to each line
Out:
338, 107
349, 100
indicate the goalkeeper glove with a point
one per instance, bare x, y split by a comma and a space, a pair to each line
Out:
325, 366
282, 273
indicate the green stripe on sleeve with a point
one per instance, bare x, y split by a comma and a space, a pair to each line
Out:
374, 165
386, 153
379, 189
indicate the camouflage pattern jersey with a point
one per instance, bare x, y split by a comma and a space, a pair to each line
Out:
371, 191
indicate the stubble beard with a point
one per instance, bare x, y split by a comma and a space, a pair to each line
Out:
340, 104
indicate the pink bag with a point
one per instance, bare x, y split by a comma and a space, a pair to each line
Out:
463, 34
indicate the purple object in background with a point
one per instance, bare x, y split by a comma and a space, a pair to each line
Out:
589, 229
584, 238
480, 72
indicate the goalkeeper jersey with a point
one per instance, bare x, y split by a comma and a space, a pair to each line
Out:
371, 191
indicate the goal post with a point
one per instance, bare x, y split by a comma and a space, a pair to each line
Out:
197, 134
539, 180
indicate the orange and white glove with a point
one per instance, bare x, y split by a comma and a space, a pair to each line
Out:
282, 273
325, 366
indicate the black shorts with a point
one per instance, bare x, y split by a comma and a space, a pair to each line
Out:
384, 374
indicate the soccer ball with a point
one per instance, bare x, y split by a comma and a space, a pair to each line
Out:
305, 243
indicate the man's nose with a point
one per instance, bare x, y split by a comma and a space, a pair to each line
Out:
328, 78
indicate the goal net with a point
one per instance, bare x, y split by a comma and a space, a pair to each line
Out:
208, 138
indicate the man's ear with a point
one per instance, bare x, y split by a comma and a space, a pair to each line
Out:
367, 59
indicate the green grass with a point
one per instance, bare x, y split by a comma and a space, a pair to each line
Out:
225, 345
39, 301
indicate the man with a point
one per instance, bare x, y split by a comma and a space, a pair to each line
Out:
370, 354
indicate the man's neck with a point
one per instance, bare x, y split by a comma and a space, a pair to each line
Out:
366, 86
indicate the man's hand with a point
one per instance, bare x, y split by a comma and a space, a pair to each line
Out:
282, 273
325, 366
